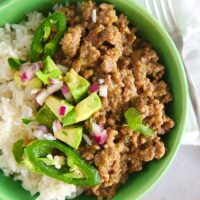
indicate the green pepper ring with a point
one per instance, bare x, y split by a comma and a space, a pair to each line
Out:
42, 148
40, 49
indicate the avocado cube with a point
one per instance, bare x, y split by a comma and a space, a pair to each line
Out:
78, 85
87, 107
45, 116
49, 65
55, 103
70, 118
50, 71
18, 79
71, 135
34, 83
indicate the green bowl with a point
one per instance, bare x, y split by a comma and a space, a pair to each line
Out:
138, 184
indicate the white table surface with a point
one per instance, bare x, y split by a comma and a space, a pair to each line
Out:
182, 180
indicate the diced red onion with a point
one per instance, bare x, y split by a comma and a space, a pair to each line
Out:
54, 88
56, 126
66, 92
53, 81
103, 91
87, 139
43, 94
94, 15
64, 89
96, 128
101, 137
94, 88
28, 71
62, 68
42, 128
62, 110
24, 76
68, 97
59, 125
101, 81
41, 97
35, 91
99, 133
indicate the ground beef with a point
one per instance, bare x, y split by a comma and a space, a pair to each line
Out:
71, 41
109, 49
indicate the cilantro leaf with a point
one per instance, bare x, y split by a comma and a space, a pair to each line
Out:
27, 121
146, 130
18, 150
15, 63
134, 120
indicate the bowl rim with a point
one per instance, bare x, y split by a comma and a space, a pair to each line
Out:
176, 56
176, 145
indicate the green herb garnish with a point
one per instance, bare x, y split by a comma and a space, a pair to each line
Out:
15, 63
18, 150
134, 120
27, 120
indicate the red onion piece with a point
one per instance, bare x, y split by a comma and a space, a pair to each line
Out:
101, 137
101, 81
53, 81
35, 91
41, 97
62, 68
94, 88
56, 126
64, 89
99, 133
42, 128
24, 77
68, 97
66, 92
96, 128
94, 15
103, 91
28, 71
62, 110
59, 125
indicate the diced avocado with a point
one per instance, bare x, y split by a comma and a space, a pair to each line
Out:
45, 116
34, 83
45, 77
87, 107
50, 71
70, 118
49, 65
71, 135
78, 85
55, 103
18, 79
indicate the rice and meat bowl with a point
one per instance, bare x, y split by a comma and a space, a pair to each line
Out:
84, 101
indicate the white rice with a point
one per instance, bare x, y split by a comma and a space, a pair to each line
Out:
87, 139
15, 103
